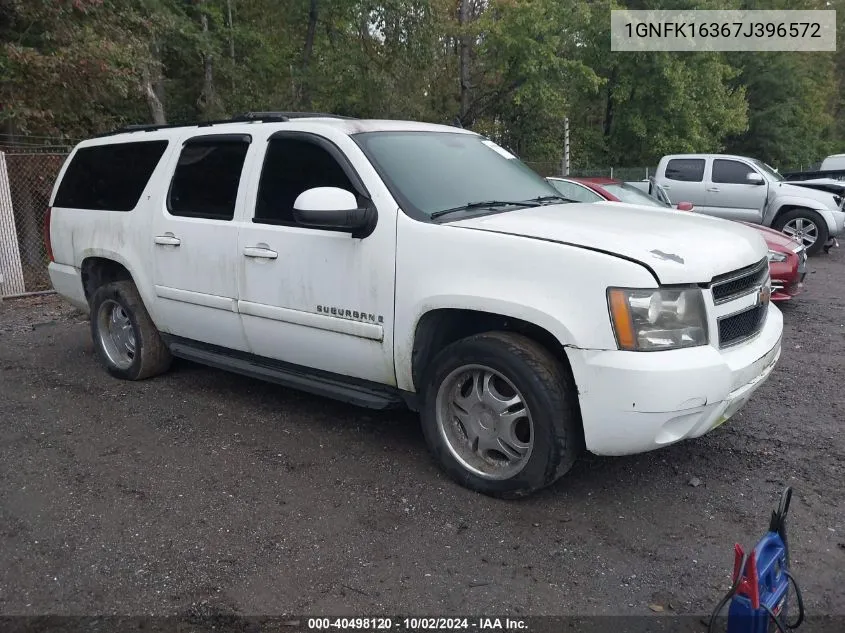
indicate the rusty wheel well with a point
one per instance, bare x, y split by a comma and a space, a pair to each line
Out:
97, 271
439, 328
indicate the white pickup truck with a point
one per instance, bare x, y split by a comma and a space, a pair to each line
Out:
741, 188
390, 263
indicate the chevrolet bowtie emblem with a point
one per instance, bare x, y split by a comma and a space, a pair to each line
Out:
764, 295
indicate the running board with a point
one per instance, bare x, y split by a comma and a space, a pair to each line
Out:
353, 391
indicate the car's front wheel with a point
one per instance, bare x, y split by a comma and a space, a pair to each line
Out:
804, 226
125, 336
499, 414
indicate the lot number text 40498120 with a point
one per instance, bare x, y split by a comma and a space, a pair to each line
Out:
417, 624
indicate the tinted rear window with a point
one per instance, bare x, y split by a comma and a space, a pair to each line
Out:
205, 184
685, 169
109, 177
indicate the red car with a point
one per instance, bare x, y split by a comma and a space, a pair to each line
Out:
787, 258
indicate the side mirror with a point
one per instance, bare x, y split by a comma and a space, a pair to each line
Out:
685, 206
333, 208
754, 178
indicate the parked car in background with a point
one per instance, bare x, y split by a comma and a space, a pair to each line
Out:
787, 263
742, 188
832, 167
787, 257
597, 189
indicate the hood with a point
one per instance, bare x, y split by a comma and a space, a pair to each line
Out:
821, 184
823, 198
775, 239
680, 247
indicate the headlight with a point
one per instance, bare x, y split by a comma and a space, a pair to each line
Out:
774, 256
653, 320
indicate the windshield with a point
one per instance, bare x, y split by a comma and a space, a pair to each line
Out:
429, 172
632, 195
770, 172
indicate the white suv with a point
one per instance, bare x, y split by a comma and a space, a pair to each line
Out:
395, 263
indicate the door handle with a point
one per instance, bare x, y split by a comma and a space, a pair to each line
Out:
260, 251
167, 240
712, 189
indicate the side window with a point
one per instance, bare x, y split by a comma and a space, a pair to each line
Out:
685, 169
291, 166
205, 183
109, 177
731, 172
575, 192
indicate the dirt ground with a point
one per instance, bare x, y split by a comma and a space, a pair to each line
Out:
205, 492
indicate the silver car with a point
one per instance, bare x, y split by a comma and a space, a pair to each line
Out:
742, 188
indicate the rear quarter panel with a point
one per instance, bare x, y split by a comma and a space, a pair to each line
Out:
122, 236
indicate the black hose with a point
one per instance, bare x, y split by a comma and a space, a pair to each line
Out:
799, 599
728, 596
784, 626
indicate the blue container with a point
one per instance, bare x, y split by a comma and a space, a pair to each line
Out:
764, 584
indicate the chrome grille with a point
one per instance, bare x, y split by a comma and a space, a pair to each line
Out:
741, 326
740, 282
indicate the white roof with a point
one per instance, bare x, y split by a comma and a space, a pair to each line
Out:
347, 126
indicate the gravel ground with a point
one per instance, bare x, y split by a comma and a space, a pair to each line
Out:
205, 492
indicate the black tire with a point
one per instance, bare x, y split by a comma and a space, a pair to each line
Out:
151, 356
549, 393
810, 216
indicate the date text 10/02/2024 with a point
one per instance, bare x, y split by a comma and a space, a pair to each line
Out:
417, 624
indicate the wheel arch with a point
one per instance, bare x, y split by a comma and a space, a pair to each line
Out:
788, 206
439, 327
96, 271
102, 266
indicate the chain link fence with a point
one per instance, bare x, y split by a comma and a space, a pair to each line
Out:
29, 174
32, 169
547, 169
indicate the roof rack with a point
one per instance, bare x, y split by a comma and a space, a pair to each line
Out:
285, 116
246, 117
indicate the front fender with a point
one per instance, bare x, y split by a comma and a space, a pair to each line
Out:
558, 287
785, 203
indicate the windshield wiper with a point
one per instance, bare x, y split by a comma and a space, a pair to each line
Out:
488, 204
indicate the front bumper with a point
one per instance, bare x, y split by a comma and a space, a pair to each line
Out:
838, 221
632, 402
788, 277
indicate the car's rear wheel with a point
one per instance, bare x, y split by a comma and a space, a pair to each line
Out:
806, 227
499, 415
127, 341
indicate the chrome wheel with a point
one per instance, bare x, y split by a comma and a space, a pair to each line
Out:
116, 334
802, 230
485, 422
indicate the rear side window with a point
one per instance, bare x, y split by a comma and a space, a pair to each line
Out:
731, 172
685, 169
205, 183
109, 177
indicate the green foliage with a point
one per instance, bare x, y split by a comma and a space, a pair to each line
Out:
77, 67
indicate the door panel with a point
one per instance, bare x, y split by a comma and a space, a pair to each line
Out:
683, 180
730, 195
195, 241
325, 300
